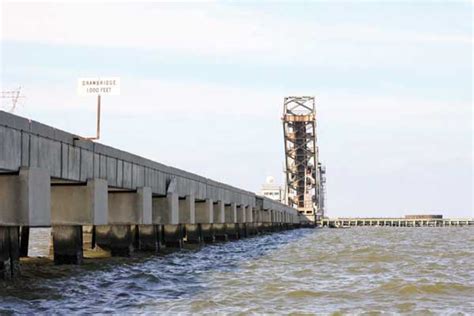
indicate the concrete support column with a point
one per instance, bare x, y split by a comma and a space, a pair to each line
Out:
166, 214
187, 216
241, 216
25, 198
241, 219
267, 220
120, 240
231, 213
126, 209
219, 225
166, 209
231, 221
187, 210
67, 244
205, 217
194, 234
24, 240
249, 214
150, 237
260, 220
249, 220
173, 236
73, 206
219, 212
9, 252
276, 220
204, 211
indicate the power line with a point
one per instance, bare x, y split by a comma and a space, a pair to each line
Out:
13, 96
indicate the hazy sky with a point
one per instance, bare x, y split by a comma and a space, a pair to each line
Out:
203, 87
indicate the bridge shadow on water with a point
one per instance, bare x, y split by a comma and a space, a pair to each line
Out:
114, 284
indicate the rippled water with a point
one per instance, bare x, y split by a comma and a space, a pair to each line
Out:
358, 270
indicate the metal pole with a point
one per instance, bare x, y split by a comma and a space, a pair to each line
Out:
98, 116
98, 121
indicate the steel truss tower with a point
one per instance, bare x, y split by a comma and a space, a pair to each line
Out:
304, 173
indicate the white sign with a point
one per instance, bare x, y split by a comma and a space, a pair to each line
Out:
98, 86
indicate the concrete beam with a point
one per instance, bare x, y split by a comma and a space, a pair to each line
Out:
25, 198
79, 204
204, 212
130, 207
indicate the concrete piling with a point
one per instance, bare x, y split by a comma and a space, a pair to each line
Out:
193, 233
9, 252
121, 240
231, 226
102, 239
67, 244
187, 210
149, 238
219, 229
24, 241
173, 235
207, 231
118, 239
220, 232
232, 231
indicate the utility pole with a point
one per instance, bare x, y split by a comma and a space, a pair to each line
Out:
12, 96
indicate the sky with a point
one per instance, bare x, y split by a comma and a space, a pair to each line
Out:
202, 88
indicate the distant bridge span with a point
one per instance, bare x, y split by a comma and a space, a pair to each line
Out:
343, 222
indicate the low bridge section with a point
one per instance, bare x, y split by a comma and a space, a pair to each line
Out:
395, 222
51, 178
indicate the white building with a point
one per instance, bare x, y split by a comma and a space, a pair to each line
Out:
272, 190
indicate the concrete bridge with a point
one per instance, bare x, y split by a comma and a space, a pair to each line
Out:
51, 178
395, 222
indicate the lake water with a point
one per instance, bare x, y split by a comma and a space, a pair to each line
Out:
322, 271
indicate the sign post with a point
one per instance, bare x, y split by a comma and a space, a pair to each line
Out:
98, 117
98, 86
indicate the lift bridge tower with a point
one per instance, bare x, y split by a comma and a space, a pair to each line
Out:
305, 175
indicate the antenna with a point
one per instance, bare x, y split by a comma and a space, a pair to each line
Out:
13, 96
